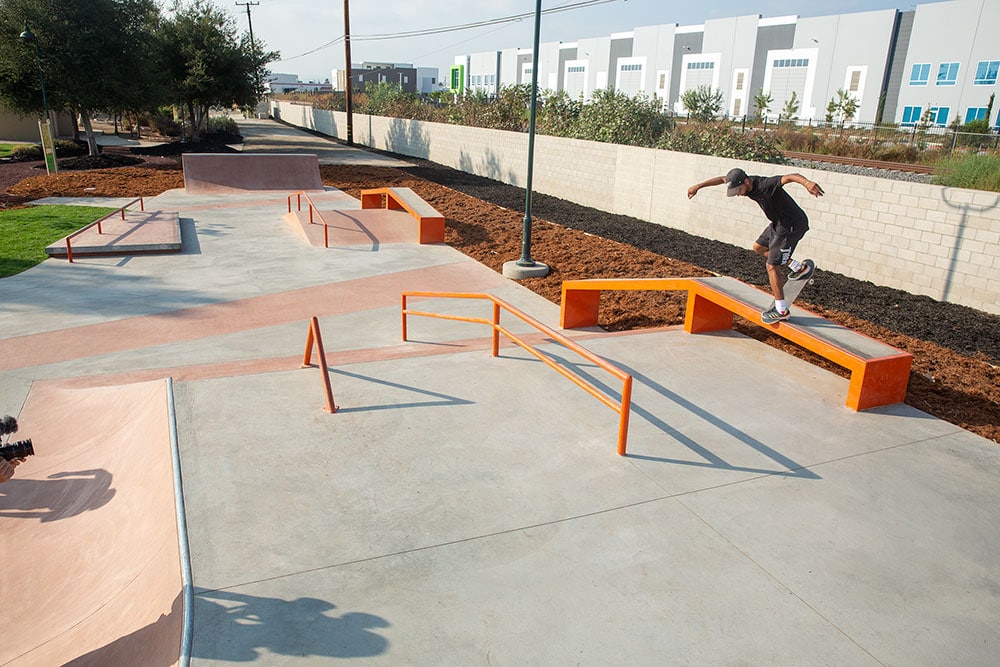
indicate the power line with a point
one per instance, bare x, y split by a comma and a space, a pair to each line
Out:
454, 28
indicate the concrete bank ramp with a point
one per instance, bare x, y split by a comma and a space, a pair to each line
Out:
91, 565
215, 173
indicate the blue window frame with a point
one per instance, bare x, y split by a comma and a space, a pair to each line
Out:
975, 113
939, 115
920, 74
911, 115
947, 74
986, 73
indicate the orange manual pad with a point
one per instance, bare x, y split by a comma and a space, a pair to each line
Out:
209, 173
430, 222
353, 227
91, 569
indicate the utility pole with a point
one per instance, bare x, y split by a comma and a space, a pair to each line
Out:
248, 5
253, 48
347, 71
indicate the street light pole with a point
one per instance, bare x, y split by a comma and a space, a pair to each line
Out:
48, 148
526, 267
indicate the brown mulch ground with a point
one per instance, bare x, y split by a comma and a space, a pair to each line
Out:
956, 350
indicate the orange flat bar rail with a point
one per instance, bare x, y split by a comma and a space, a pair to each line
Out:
431, 223
622, 407
97, 223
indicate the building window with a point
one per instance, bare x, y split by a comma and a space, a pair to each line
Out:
739, 82
576, 69
663, 81
632, 67
986, 73
920, 74
737, 107
791, 62
911, 115
975, 113
702, 65
855, 82
947, 74
939, 115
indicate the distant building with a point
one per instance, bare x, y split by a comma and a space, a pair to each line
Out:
938, 61
289, 83
417, 80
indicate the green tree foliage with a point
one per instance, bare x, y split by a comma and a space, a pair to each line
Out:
762, 104
791, 109
207, 64
557, 114
723, 141
702, 103
614, 117
94, 54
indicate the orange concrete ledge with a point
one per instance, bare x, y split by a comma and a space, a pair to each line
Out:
214, 173
431, 223
879, 373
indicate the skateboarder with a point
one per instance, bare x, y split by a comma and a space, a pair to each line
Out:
778, 240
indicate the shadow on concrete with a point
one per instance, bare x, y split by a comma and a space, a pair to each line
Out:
252, 625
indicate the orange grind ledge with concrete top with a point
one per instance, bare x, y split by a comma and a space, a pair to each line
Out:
214, 173
431, 223
91, 561
879, 373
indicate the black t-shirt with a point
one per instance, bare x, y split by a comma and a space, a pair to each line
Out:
778, 205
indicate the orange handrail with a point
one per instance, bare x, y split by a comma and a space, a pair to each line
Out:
623, 408
314, 336
312, 207
69, 245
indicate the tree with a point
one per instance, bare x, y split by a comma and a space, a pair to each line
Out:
762, 104
791, 108
94, 55
702, 103
206, 64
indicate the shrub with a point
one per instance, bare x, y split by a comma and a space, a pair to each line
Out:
222, 129
165, 125
722, 141
976, 172
64, 148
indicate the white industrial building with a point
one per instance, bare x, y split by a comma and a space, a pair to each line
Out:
941, 56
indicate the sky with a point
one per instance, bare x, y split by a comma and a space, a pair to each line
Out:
302, 30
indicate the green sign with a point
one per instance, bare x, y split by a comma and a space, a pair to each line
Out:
48, 147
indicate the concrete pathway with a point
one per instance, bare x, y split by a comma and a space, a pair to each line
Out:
462, 509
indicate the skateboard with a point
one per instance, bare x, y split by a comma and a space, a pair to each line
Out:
794, 287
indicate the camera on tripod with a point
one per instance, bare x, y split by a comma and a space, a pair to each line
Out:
15, 450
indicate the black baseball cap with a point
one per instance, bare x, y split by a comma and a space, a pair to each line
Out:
734, 179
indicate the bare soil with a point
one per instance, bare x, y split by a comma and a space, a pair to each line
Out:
956, 350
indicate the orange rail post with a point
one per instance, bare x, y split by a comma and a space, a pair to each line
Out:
316, 337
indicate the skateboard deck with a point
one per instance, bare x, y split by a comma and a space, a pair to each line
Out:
793, 288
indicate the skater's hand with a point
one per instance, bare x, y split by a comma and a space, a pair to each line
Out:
692, 191
814, 189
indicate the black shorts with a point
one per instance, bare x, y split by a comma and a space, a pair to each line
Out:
780, 241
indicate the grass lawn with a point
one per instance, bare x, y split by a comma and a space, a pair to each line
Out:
25, 232
7, 149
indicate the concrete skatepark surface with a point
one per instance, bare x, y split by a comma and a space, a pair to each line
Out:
461, 509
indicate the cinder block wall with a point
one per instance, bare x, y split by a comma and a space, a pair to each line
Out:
924, 239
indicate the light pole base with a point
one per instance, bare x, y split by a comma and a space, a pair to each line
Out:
514, 271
